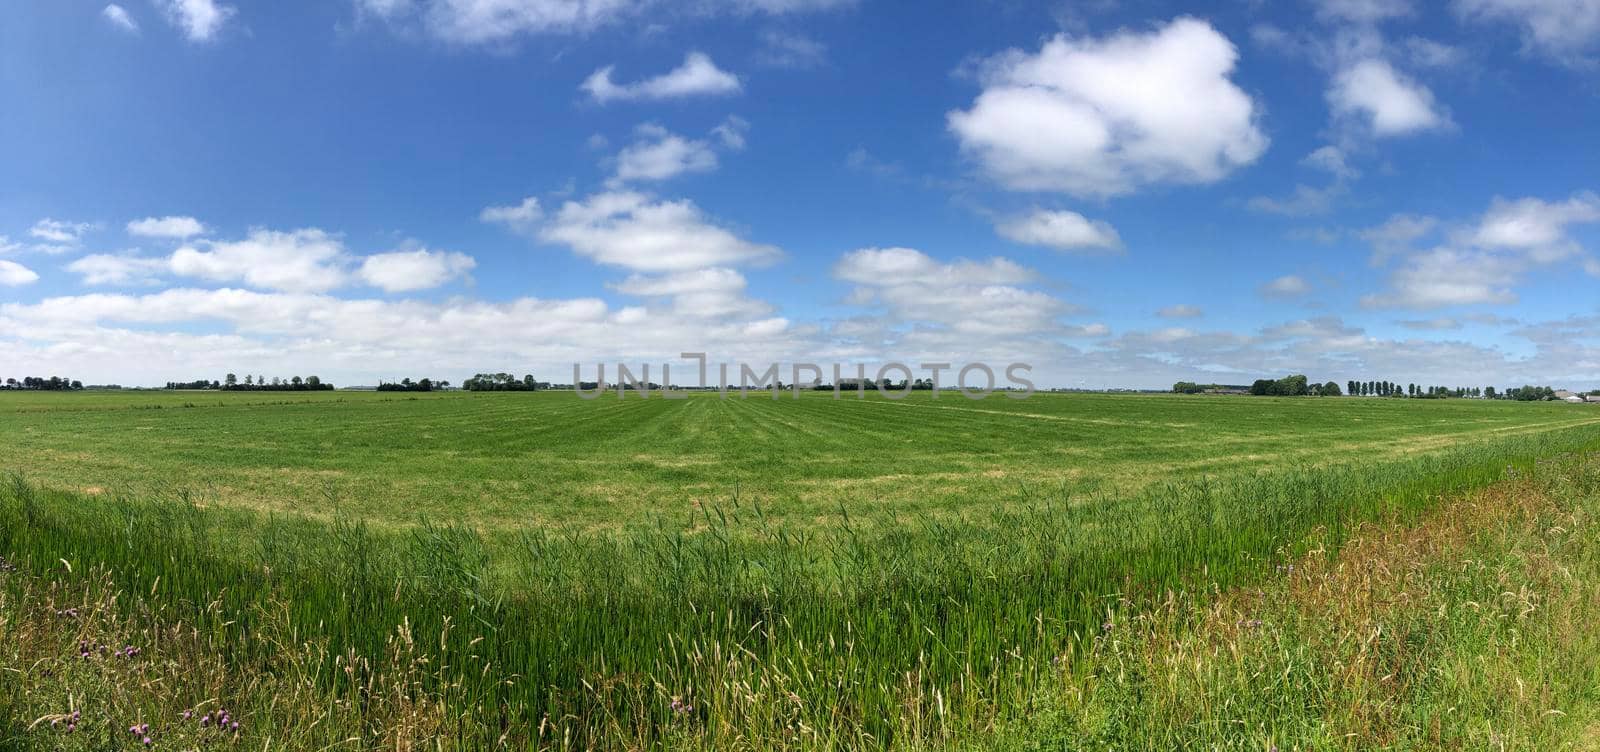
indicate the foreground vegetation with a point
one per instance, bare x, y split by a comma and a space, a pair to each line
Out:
1470, 628
734, 627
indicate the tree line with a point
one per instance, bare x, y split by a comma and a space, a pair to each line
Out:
500, 382
407, 385
231, 383
40, 383
1299, 386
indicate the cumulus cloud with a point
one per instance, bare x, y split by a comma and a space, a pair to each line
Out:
117, 16
408, 271
1384, 100
635, 231
1481, 264
697, 76
954, 305
308, 260
118, 270
199, 20
1102, 117
1535, 226
709, 293
166, 227
13, 274
1449, 277
1564, 30
659, 154
59, 232
521, 217
1062, 230
1289, 286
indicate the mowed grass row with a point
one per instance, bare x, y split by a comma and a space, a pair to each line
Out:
551, 459
774, 631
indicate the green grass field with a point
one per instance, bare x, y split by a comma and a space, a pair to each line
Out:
535, 571
551, 459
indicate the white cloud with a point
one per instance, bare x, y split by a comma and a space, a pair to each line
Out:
883, 266
407, 271
1383, 99
199, 20
1363, 11
1431, 325
522, 217
713, 292
787, 50
63, 233
1101, 117
1062, 230
660, 154
1333, 160
635, 231
166, 227
1535, 226
13, 274
1306, 201
1286, 287
697, 76
117, 16
499, 21
1480, 264
106, 269
118, 337
1396, 235
731, 133
963, 304
1564, 30
307, 260
1181, 311
1449, 277
1427, 53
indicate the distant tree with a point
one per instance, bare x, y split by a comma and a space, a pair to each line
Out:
1187, 387
1331, 389
230, 381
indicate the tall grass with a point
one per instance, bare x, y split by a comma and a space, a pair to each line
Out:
729, 629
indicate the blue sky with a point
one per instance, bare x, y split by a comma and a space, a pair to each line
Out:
1119, 193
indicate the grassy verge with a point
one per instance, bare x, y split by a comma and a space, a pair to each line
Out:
1471, 629
734, 633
